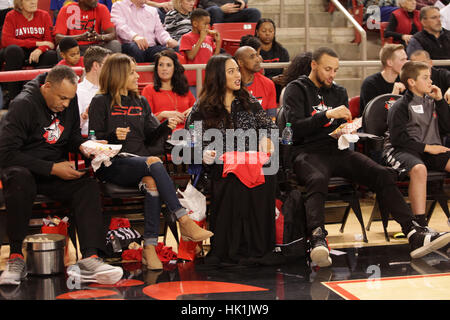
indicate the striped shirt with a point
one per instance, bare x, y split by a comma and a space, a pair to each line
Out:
177, 24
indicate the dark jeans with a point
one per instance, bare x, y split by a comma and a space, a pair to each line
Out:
148, 55
128, 172
20, 188
313, 170
16, 57
245, 15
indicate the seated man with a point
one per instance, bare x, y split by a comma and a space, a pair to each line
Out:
416, 122
433, 38
393, 57
262, 88
140, 30
89, 23
439, 76
41, 126
316, 106
229, 11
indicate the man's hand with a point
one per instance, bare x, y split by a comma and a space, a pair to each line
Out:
341, 112
435, 149
66, 171
141, 42
447, 96
435, 93
121, 133
230, 8
172, 43
209, 156
398, 88
406, 38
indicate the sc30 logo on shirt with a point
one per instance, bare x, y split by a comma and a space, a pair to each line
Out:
126, 111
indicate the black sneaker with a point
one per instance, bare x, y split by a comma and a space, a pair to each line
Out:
423, 240
320, 253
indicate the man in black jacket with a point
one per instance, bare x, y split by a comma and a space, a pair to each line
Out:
42, 125
316, 106
433, 38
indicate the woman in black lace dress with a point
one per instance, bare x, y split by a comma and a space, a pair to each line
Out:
242, 211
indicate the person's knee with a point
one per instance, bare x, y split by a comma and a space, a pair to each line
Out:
419, 173
152, 160
253, 14
16, 174
14, 54
18, 181
149, 184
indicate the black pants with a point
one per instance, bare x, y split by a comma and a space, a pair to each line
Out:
20, 188
314, 170
16, 57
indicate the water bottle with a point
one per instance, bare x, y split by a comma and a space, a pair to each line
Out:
91, 135
286, 136
192, 135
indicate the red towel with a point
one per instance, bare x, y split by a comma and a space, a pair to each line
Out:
247, 166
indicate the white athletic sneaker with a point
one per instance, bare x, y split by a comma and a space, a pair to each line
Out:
15, 271
93, 269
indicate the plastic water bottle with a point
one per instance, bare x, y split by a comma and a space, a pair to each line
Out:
91, 135
192, 135
286, 136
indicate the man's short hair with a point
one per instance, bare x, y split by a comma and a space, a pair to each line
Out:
318, 53
94, 54
61, 72
387, 52
420, 52
251, 41
411, 70
424, 11
67, 43
198, 13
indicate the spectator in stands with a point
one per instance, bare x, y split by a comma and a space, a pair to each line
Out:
404, 22
200, 44
169, 95
252, 41
23, 46
89, 22
271, 50
178, 20
140, 30
445, 17
316, 106
299, 66
242, 214
376, 11
416, 122
70, 52
94, 58
163, 7
439, 76
223, 11
41, 126
393, 57
262, 88
139, 133
432, 38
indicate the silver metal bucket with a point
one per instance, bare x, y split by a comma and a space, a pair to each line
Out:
45, 253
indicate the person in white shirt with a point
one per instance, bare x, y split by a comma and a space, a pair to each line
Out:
445, 17
94, 58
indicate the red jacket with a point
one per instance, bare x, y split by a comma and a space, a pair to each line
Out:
404, 23
18, 30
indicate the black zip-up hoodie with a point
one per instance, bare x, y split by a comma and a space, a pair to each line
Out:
306, 107
33, 136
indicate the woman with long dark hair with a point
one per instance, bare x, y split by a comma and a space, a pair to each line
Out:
242, 213
300, 65
169, 95
119, 115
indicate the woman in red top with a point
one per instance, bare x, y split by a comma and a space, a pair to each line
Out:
169, 96
27, 39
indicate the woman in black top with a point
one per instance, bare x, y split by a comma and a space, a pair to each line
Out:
242, 216
119, 115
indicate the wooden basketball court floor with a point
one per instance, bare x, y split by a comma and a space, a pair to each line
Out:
377, 270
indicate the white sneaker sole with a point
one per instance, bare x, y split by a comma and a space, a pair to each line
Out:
105, 277
321, 257
9, 281
440, 242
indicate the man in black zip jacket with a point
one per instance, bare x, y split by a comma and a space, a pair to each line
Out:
316, 106
41, 127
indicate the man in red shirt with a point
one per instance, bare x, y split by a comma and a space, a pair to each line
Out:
262, 88
89, 22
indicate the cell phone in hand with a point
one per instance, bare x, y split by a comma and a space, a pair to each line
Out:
84, 169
